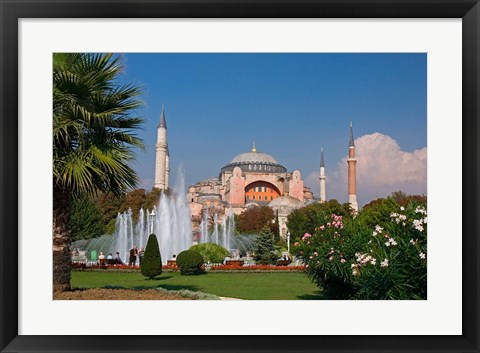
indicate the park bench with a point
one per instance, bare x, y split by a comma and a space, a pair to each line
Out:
284, 262
172, 263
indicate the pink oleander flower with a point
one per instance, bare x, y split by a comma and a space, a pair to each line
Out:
342, 260
322, 227
330, 258
296, 243
306, 236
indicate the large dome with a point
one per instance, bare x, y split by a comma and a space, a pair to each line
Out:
255, 162
254, 157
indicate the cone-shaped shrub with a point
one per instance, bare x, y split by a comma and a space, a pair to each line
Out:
190, 262
152, 261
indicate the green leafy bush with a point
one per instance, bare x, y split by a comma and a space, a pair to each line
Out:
190, 262
152, 260
211, 252
350, 260
308, 218
393, 264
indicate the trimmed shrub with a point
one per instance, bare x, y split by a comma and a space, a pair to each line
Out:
211, 252
190, 262
152, 260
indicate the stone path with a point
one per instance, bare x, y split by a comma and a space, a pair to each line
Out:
228, 298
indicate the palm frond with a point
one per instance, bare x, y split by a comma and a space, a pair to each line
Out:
93, 124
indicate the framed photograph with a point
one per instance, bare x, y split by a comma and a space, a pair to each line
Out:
289, 104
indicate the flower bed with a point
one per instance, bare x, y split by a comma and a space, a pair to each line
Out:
256, 268
215, 268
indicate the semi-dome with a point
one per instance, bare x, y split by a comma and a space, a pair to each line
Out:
286, 201
255, 162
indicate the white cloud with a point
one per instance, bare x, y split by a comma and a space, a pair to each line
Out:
382, 167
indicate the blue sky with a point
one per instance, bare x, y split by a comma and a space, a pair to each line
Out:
291, 105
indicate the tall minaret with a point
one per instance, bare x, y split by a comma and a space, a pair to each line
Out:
322, 178
162, 157
167, 168
352, 173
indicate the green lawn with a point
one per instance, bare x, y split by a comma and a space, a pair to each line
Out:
279, 286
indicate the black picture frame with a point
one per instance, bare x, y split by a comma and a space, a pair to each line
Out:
11, 11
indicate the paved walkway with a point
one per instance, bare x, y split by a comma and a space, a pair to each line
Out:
227, 298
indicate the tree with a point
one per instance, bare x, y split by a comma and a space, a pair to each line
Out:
275, 228
377, 212
399, 196
308, 219
93, 140
152, 260
86, 221
265, 252
152, 198
109, 206
254, 219
134, 200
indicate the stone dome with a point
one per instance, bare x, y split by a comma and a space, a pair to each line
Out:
254, 157
285, 201
255, 162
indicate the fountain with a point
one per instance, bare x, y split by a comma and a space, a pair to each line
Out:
217, 232
223, 232
171, 222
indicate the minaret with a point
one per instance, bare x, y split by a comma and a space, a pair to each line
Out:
167, 168
162, 158
352, 173
322, 178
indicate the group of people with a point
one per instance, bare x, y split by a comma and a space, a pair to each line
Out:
117, 260
134, 253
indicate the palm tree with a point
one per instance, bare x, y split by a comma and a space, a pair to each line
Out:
93, 139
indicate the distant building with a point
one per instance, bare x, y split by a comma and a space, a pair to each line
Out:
250, 179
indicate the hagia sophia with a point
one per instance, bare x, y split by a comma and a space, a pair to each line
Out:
250, 179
